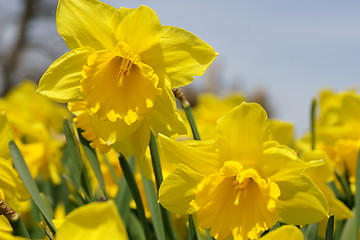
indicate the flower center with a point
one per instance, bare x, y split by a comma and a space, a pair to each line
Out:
236, 201
116, 85
240, 189
124, 70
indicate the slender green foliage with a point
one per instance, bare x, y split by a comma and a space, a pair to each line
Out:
155, 159
94, 162
129, 177
311, 231
154, 207
191, 120
74, 152
19, 228
30, 184
313, 123
196, 135
330, 228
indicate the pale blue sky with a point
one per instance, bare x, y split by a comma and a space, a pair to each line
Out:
290, 48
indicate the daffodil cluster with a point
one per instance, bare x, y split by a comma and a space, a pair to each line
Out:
126, 166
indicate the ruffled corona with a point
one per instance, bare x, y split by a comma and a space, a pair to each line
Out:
236, 200
117, 85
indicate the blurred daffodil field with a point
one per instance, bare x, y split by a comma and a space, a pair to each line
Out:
107, 146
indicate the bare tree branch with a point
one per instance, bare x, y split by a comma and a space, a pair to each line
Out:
13, 59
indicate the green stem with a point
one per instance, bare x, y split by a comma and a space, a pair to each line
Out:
312, 122
129, 177
330, 228
192, 230
19, 228
346, 187
155, 159
191, 120
187, 108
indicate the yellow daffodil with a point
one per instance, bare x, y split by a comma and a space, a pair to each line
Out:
240, 184
338, 130
37, 130
97, 220
12, 189
286, 232
322, 175
120, 71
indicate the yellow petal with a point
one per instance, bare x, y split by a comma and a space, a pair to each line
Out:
282, 132
94, 128
198, 155
286, 232
9, 236
136, 143
185, 55
6, 136
87, 23
97, 220
61, 81
178, 189
164, 118
5, 225
280, 162
147, 25
242, 133
301, 202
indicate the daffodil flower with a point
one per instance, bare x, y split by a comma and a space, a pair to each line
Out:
241, 183
12, 189
120, 71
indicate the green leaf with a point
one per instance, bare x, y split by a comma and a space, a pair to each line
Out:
155, 159
30, 184
350, 230
74, 152
19, 228
94, 162
135, 230
330, 228
78, 172
311, 231
343, 179
339, 229
130, 180
153, 204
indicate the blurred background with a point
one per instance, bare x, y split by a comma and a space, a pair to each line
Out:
281, 53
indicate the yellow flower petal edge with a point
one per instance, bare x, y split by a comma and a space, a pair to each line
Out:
87, 23
96, 220
6, 135
286, 232
61, 81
